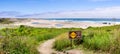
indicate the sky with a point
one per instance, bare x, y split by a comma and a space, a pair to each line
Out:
60, 8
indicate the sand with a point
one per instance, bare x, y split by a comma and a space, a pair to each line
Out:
60, 24
46, 47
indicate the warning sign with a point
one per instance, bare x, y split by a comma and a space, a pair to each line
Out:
74, 34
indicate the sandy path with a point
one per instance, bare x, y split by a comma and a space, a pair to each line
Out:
74, 51
46, 47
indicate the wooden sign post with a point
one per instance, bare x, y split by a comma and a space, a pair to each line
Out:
74, 35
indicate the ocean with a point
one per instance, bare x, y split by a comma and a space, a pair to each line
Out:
86, 19
98, 20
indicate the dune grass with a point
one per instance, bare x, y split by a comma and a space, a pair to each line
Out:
62, 41
105, 39
25, 39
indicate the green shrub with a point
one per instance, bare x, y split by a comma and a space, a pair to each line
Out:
23, 40
62, 42
18, 45
100, 41
5, 21
105, 38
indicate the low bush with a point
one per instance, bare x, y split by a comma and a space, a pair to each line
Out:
105, 39
25, 39
18, 45
62, 42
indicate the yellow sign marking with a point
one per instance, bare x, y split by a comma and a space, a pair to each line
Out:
73, 35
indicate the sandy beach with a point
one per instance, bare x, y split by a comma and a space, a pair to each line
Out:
60, 24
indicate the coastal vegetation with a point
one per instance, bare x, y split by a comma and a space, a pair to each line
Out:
25, 39
101, 39
5, 20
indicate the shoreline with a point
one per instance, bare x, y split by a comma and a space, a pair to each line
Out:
63, 24
42, 23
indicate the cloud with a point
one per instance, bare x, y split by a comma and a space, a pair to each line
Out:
106, 12
9, 13
95, 13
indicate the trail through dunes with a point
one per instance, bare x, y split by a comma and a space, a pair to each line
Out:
47, 48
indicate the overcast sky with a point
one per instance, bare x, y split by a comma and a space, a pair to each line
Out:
60, 8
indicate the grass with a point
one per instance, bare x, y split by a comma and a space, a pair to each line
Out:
99, 39
62, 41
25, 39
16, 45
103, 39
